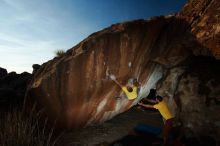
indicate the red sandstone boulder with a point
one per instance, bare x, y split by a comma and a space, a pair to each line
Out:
204, 17
75, 88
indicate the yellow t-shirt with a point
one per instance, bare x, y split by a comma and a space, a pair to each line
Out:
164, 110
130, 95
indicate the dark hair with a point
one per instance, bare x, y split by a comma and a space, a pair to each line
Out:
152, 94
129, 89
159, 98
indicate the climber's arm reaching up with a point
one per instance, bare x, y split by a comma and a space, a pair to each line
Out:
114, 79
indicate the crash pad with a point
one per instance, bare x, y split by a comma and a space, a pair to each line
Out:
144, 128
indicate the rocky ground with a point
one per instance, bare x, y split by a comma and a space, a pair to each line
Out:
112, 130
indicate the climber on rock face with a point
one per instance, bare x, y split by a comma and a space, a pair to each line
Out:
131, 89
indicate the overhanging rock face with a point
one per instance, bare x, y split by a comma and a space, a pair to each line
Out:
204, 17
75, 88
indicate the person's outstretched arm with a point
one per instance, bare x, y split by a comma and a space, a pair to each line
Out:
145, 105
151, 100
117, 83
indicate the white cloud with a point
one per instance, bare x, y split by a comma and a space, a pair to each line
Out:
13, 3
30, 32
19, 55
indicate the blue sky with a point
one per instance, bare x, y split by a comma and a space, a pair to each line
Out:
32, 30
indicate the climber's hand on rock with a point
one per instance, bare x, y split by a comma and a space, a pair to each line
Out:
112, 77
141, 104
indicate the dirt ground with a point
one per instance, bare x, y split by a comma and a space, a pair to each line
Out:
111, 130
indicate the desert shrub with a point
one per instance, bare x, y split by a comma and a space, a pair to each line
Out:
59, 53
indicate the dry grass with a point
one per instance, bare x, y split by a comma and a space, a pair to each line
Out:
18, 129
